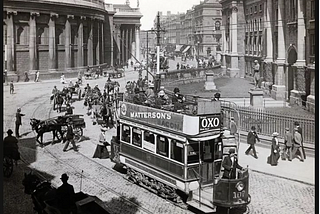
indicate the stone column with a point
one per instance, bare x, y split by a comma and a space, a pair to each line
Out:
138, 42
279, 89
98, 44
234, 67
133, 44
33, 41
118, 42
111, 40
102, 43
80, 43
127, 45
67, 45
122, 47
268, 40
90, 43
224, 46
52, 42
10, 41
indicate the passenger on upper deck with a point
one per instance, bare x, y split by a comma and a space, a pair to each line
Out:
162, 98
139, 97
177, 99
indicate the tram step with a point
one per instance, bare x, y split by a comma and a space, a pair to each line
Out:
206, 198
202, 207
85, 201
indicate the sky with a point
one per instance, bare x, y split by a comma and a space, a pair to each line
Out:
149, 8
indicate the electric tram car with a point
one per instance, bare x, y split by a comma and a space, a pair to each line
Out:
173, 153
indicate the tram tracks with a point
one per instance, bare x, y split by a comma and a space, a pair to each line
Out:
87, 176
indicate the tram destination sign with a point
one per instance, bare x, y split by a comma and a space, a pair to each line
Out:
209, 122
169, 120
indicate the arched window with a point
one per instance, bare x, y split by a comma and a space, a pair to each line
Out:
217, 25
39, 35
19, 35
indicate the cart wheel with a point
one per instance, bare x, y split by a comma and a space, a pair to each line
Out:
7, 167
64, 133
78, 132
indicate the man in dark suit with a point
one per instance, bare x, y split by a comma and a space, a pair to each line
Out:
251, 140
230, 165
297, 125
66, 196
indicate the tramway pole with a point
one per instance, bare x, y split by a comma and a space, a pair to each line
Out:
158, 77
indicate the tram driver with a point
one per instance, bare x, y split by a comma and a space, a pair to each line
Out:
230, 165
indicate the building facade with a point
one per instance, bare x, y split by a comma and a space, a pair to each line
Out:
197, 31
56, 37
280, 35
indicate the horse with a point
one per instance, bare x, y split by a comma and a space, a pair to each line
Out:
46, 126
42, 193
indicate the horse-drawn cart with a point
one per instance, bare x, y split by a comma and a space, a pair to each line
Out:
78, 124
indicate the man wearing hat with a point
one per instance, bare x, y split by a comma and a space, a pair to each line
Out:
275, 150
66, 196
18, 121
10, 146
233, 126
69, 109
70, 136
297, 124
230, 165
251, 140
256, 75
287, 150
297, 139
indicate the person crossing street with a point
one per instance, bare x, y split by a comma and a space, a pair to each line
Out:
70, 137
251, 140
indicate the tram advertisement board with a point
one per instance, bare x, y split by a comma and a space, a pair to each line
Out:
153, 116
209, 122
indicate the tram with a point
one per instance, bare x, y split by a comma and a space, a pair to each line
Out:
173, 153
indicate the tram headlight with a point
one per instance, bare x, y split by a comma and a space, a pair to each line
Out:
240, 186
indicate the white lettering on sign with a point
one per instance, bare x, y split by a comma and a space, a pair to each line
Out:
210, 122
237, 195
153, 115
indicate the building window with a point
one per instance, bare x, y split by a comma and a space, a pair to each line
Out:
260, 7
162, 146
312, 9
251, 10
293, 10
260, 24
255, 24
19, 35
255, 9
217, 25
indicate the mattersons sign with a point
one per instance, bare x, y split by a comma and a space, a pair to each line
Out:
152, 116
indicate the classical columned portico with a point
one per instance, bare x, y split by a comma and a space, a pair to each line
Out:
10, 41
80, 43
137, 28
52, 42
67, 46
33, 41
279, 89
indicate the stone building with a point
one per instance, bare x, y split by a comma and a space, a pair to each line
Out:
55, 37
280, 35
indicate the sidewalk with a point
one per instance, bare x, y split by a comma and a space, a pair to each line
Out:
293, 170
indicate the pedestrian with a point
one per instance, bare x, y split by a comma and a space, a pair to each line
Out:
275, 150
18, 121
297, 124
178, 65
297, 139
233, 126
66, 196
251, 140
256, 75
70, 137
230, 165
69, 109
288, 145
11, 87
37, 74
10, 147
26, 76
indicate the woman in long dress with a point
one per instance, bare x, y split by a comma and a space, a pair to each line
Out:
275, 150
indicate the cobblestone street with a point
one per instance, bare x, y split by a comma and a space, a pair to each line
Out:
269, 194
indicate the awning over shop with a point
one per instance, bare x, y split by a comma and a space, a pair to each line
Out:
186, 49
